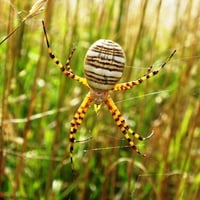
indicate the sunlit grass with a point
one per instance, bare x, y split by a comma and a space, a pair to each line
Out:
38, 102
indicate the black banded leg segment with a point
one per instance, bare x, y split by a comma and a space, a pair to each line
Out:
76, 122
150, 73
67, 64
125, 129
66, 69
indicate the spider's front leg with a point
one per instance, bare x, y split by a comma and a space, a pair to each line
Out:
76, 122
125, 129
66, 69
150, 73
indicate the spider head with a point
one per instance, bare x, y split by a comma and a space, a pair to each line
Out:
104, 64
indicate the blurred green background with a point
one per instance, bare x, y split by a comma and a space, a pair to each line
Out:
38, 102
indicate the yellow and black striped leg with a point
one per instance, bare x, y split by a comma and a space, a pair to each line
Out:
67, 64
150, 73
65, 69
76, 122
123, 125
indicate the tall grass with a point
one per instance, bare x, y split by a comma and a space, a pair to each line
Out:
38, 102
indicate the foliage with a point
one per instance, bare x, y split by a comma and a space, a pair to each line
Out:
38, 102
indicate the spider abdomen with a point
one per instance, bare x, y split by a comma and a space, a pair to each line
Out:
104, 64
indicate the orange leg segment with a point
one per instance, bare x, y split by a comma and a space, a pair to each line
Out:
125, 129
76, 122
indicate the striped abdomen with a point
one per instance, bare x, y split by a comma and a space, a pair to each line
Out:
104, 64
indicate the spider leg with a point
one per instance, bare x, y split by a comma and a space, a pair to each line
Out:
76, 122
125, 129
65, 69
67, 64
149, 69
150, 73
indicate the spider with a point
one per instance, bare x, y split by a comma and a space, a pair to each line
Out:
103, 67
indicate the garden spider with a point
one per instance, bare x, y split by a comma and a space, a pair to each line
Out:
103, 67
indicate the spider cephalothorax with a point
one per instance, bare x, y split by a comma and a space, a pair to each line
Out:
103, 68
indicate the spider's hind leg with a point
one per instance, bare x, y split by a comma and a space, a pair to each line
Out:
76, 122
125, 129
